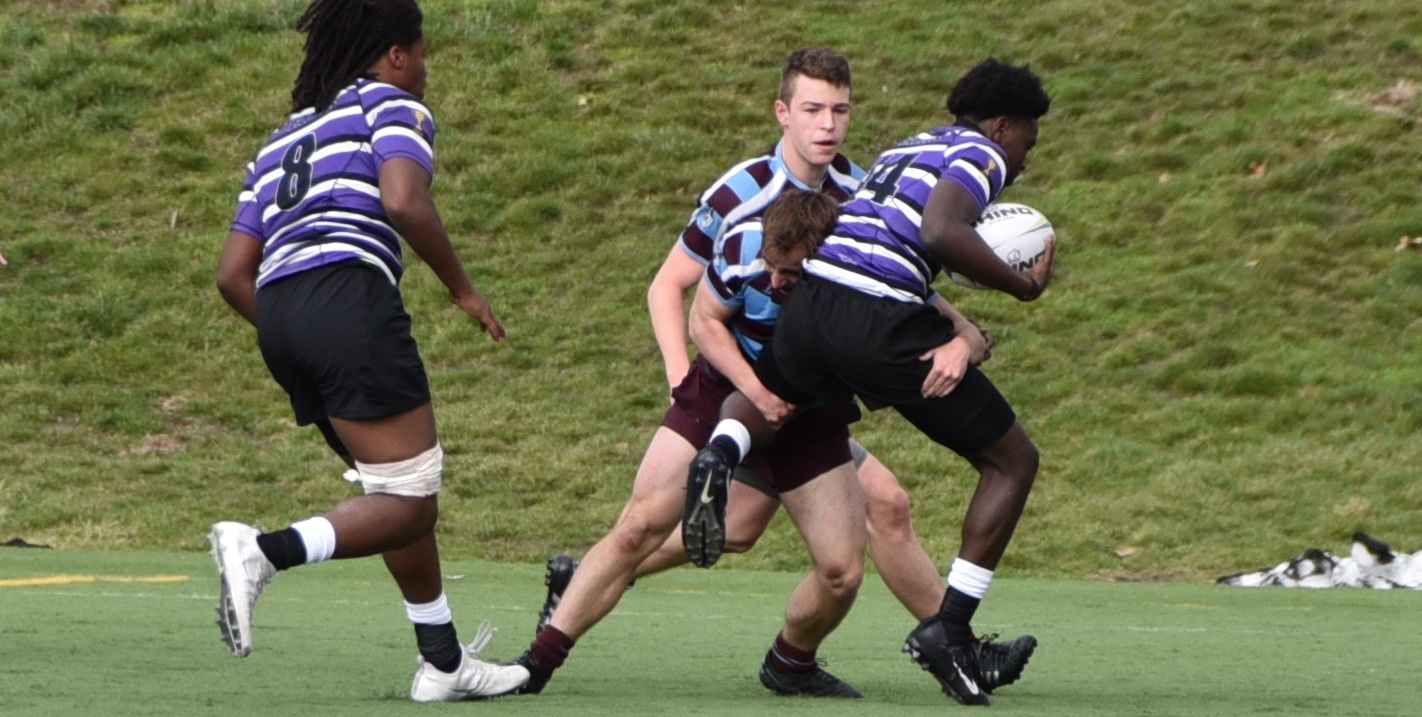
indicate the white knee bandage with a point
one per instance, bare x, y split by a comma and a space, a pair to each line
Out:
417, 477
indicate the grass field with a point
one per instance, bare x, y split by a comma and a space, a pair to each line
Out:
1224, 372
130, 633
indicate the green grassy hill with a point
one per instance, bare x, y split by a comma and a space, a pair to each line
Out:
1225, 371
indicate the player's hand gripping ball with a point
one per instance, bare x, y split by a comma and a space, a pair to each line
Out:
1017, 233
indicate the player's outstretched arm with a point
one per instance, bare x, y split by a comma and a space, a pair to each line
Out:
405, 193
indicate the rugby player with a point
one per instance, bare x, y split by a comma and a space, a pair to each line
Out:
809, 465
313, 261
861, 324
813, 109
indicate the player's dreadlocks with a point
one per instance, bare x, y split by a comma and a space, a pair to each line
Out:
343, 39
995, 89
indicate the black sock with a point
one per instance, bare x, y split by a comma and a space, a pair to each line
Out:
726, 446
957, 615
439, 645
283, 547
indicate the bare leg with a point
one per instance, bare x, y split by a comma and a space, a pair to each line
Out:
829, 513
748, 512
392, 438
415, 568
1007, 469
903, 564
401, 528
646, 521
943, 645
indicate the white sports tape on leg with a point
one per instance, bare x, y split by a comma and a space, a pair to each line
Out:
417, 477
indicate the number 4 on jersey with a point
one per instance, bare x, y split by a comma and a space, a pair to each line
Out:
884, 180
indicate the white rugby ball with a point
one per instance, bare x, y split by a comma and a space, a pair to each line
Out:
1017, 233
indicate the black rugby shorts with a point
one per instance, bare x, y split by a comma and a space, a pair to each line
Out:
337, 338
832, 342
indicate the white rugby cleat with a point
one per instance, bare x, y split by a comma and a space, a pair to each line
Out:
475, 679
243, 572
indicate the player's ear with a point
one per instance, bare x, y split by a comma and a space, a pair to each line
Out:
397, 56
782, 112
996, 128
385, 60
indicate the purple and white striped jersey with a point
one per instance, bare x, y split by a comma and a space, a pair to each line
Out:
746, 189
875, 248
312, 193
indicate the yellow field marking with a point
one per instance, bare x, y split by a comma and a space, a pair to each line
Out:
75, 579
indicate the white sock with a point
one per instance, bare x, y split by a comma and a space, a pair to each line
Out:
736, 431
430, 613
319, 537
969, 579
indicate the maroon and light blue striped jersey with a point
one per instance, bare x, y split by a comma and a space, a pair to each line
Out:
746, 189
876, 248
312, 193
741, 280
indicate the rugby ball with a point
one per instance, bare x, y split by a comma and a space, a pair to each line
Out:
1017, 233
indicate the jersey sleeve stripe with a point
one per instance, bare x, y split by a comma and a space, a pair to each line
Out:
402, 133
720, 288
